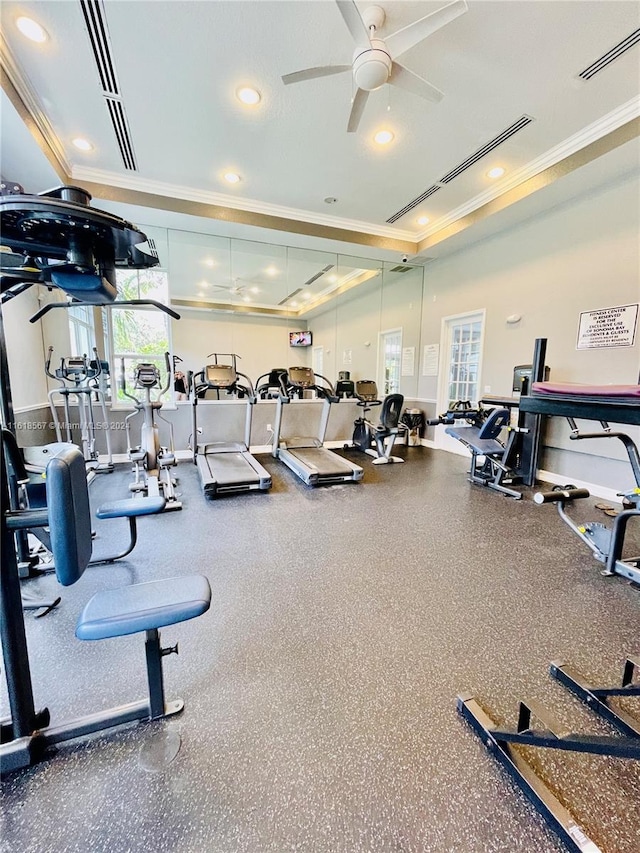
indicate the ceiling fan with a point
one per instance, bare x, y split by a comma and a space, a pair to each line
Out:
374, 60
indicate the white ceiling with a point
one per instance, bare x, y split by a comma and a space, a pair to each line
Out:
178, 65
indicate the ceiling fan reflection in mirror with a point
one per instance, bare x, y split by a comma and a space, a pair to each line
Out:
374, 59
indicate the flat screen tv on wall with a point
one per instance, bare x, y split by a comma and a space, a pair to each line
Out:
300, 339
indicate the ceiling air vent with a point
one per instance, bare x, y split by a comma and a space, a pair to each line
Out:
416, 201
611, 55
99, 39
121, 129
289, 296
317, 275
400, 268
510, 131
98, 32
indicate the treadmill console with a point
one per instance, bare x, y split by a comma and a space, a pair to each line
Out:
302, 377
220, 375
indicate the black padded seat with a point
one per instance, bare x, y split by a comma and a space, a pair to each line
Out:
143, 607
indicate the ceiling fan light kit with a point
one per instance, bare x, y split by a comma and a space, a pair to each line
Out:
374, 60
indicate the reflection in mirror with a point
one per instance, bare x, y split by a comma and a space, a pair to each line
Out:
245, 297
399, 344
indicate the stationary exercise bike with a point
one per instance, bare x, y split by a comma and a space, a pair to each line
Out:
151, 461
79, 378
377, 441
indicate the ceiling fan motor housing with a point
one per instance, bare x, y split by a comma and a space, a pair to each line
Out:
372, 67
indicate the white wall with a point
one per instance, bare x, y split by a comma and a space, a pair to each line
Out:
261, 343
25, 356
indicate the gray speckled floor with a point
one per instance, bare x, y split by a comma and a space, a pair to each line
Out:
320, 688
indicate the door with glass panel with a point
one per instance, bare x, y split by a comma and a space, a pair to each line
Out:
389, 366
462, 339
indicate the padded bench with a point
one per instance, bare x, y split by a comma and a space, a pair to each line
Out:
483, 441
115, 612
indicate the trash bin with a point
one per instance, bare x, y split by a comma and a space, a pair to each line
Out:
413, 419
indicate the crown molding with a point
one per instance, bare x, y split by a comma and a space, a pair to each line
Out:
613, 129
232, 203
23, 97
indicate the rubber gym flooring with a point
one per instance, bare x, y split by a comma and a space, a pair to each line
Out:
320, 687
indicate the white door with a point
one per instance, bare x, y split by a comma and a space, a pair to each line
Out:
390, 362
461, 343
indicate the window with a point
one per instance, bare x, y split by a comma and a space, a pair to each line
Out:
390, 361
141, 333
81, 330
464, 359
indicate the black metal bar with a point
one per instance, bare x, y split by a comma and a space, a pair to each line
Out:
558, 817
135, 302
154, 674
532, 423
12, 631
575, 682
615, 409
614, 746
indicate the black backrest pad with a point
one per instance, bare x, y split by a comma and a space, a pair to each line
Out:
491, 428
391, 409
69, 515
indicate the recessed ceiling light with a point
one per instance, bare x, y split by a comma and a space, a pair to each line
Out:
422, 220
293, 304
330, 200
332, 278
209, 262
246, 299
496, 172
82, 144
306, 295
271, 271
255, 290
383, 137
248, 95
232, 178
31, 29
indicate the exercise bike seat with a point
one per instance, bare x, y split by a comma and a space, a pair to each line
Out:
143, 607
166, 459
137, 455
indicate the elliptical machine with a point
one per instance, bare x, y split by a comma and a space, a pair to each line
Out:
151, 461
79, 378
377, 441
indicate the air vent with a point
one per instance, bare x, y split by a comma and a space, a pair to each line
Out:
94, 16
611, 55
153, 249
121, 129
416, 201
487, 149
317, 275
290, 296
99, 39
400, 268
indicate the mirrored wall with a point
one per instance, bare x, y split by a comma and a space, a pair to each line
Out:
255, 299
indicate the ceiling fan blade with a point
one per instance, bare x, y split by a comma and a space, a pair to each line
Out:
414, 33
405, 79
313, 73
357, 109
354, 22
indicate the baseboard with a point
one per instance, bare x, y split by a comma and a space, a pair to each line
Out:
595, 490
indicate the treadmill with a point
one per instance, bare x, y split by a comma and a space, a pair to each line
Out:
306, 456
225, 467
